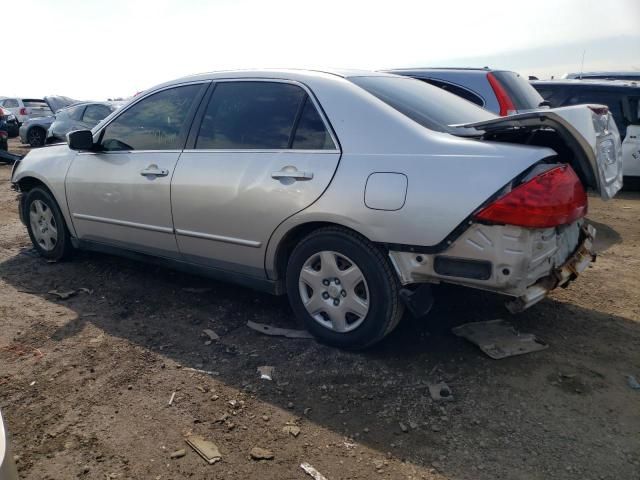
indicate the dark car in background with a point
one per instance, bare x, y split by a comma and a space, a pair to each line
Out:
4, 135
500, 91
635, 76
34, 130
81, 116
621, 97
11, 122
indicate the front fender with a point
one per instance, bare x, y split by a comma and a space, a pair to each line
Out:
48, 165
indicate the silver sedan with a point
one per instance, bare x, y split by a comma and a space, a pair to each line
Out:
351, 192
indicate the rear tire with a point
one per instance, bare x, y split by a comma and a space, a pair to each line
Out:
343, 289
46, 225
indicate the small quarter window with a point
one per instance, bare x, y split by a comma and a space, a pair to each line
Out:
311, 133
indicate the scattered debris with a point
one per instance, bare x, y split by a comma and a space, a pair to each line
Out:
266, 372
62, 295
198, 370
291, 430
403, 427
498, 339
278, 331
88, 315
440, 392
173, 396
632, 382
178, 453
315, 474
207, 450
213, 336
88, 291
258, 453
32, 383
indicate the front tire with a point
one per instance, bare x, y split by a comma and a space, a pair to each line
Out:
46, 226
36, 137
343, 288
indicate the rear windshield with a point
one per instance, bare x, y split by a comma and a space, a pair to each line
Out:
430, 106
30, 102
522, 94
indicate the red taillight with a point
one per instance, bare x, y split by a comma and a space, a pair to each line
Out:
504, 100
555, 197
3, 134
23, 111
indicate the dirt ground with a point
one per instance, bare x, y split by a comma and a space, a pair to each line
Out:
85, 382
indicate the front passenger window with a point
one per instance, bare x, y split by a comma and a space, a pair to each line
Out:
157, 122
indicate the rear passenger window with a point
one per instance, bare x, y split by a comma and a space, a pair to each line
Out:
261, 116
157, 122
456, 90
311, 133
94, 113
11, 103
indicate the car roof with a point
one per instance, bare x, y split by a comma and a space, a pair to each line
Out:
287, 73
615, 84
422, 70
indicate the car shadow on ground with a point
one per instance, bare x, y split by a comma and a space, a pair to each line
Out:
364, 396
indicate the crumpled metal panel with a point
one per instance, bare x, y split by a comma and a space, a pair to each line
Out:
519, 256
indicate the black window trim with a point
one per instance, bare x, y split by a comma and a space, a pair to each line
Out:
205, 84
197, 121
462, 87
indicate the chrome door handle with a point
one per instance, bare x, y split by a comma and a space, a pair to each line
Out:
293, 174
154, 171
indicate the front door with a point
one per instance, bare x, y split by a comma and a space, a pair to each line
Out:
121, 195
262, 153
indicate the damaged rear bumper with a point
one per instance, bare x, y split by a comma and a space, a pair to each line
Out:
519, 262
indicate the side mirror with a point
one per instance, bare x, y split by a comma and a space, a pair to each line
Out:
80, 140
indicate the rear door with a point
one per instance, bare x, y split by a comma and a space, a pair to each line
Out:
121, 195
260, 153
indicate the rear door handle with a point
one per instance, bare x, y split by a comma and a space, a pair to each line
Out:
293, 174
154, 171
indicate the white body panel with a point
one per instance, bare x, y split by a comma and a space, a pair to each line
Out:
631, 152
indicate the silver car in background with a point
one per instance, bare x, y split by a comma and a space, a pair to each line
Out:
7, 465
351, 192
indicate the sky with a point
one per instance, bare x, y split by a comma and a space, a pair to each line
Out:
98, 49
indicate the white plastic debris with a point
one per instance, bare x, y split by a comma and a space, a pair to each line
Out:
266, 372
312, 472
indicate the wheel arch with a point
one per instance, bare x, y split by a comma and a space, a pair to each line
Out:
281, 252
32, 127
30, 181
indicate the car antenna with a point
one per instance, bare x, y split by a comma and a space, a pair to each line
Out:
582, 64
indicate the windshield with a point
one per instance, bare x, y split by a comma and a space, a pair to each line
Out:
430, 106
